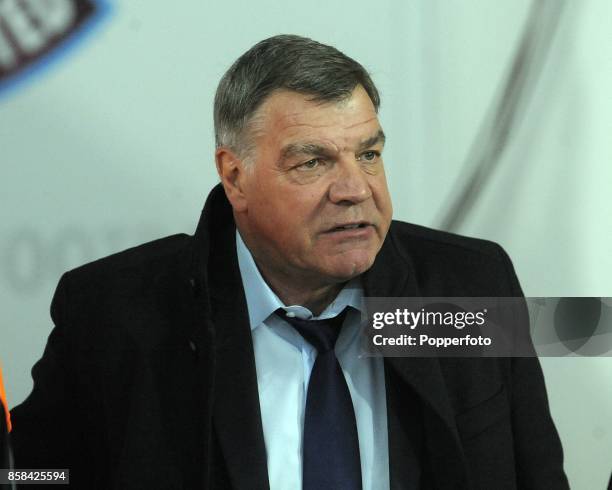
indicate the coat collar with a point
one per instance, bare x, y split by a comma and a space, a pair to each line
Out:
236, 412
394, 274
236, 418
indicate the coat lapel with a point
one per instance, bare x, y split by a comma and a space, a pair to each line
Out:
236, 413
394, 275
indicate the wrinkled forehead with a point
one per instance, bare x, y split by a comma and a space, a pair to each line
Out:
290, 117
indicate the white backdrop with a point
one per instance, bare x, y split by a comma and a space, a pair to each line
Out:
112, 145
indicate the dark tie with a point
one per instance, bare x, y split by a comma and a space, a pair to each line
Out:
331, 446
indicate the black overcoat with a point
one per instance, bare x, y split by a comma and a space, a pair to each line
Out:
148, 379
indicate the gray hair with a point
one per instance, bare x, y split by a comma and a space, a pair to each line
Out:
282, 62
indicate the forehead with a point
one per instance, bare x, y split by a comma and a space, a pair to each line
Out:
287, 117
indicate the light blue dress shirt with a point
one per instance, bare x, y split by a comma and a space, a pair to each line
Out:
284, 360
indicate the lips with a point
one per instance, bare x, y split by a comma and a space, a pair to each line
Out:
347, 226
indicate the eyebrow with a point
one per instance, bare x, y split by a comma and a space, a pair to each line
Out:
374, 140
321, 150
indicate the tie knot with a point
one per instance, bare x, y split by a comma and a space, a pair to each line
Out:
322, 334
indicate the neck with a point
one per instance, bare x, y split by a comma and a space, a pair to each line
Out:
316, 299
293, 287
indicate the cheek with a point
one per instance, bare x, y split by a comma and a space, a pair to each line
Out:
280, 224
382, 197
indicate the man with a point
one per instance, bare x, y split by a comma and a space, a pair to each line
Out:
178, 364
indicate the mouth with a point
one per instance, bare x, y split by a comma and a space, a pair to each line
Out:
350, 226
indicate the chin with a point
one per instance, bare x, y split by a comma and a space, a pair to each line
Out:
351, 267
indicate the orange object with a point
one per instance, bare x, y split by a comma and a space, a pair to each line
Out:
4, 403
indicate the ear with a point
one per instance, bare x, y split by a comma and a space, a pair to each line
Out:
233, 175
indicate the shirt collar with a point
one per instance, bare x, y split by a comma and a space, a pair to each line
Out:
262, 301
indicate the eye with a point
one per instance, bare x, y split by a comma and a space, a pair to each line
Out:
369, 156
310, 164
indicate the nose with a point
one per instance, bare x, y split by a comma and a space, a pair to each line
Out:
350, 184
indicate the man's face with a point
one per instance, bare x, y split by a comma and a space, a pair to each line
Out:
316, 207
